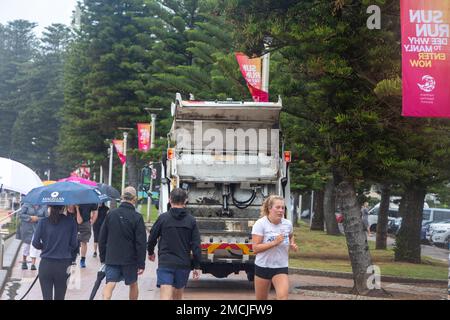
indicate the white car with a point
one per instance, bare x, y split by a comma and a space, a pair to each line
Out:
441, 236
373, 215
436, 231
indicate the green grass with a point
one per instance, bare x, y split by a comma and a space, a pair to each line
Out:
153, 213
318, 250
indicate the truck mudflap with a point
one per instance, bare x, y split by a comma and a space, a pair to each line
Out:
235, 253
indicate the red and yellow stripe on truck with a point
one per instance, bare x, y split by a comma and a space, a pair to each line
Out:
210, 248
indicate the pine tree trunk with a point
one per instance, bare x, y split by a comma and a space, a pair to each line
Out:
407, 244
358, 248
382, 223
329, 205
317, 219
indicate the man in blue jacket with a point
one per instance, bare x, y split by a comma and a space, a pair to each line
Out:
122, 245
177, 235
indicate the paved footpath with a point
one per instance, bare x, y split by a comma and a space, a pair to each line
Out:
234, 287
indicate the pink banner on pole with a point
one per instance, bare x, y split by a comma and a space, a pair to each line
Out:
144, 136
118, 144
425, 58
251, 71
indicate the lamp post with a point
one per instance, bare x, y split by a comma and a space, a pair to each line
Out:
152, 129
152, 134
124, 166
152, 145
47, 172
100, 179
266, 64
149, 192
111, 154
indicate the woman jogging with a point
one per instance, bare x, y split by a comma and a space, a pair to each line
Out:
272, 238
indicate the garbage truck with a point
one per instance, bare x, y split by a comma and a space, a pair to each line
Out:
228, 156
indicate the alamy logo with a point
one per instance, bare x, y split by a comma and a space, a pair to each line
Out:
428, 84
374, 21
74, 277
374, 280
206, 144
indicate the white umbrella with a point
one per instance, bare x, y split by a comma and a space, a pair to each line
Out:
17, 177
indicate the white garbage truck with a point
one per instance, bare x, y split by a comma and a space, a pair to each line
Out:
229, 157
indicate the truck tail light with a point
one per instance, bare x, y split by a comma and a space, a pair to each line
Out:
287, 156
170, 153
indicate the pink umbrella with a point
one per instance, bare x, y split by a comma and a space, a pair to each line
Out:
80, 180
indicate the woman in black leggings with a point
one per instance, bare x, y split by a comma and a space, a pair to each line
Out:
56, 236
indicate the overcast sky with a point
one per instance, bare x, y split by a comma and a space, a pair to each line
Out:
43, 12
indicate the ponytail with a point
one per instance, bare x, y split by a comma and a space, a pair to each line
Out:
268, 203
55, 214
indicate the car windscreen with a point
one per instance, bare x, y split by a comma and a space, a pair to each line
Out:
426, 214
393, 213
441, 215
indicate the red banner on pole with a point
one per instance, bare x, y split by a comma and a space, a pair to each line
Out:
251, 71
144, 136
425, 58
118, 144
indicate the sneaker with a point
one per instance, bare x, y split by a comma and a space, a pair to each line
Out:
24, 266
94, 255
33, 267
82, 264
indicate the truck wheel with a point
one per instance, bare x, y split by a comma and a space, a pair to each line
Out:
250, 276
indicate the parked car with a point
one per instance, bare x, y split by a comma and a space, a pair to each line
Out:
424, 230
441, 238
373, 215
437, 228
394, 225
436, 214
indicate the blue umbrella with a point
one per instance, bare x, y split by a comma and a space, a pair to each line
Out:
65, 193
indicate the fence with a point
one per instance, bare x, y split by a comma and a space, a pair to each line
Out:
11, 221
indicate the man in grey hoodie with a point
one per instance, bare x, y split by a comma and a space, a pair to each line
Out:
177, 235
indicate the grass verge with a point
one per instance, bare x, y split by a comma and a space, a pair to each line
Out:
153, 215
320, 251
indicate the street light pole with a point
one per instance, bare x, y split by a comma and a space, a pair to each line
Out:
124, 166
149, 193
152, 145
111, 154
152, 135
101, 174
266, 64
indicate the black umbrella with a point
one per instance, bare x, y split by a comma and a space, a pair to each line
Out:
109, 190
100, 276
